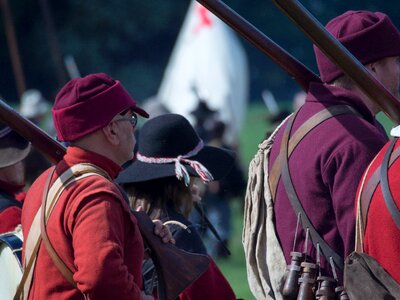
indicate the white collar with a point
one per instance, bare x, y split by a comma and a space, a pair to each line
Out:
395, 132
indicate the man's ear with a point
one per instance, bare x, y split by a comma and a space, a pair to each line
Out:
371, 67
111, 133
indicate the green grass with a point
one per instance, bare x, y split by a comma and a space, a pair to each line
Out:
234, 267
253, 132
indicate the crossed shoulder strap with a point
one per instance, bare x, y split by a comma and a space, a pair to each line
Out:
380, 175
300, 133
281, 169
37, 232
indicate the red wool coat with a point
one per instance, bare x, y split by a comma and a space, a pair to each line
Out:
10, 218
211, 285
93, 231
382, 237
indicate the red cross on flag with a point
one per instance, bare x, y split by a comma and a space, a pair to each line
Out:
207, 62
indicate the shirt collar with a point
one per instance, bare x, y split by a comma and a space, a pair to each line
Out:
395, 132
77, 155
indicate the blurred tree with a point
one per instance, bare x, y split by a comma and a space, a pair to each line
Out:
132, 40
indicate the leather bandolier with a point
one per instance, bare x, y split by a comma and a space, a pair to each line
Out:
304, 279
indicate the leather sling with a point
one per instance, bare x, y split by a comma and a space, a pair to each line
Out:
295, 202
372, 184
300, 133
380, 175
53, 193
387, 195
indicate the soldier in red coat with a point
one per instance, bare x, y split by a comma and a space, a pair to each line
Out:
91, 227
381, 238
13, 150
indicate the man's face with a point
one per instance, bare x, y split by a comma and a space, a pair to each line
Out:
387, 71
127, 128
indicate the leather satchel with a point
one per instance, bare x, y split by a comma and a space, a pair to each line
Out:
364, 278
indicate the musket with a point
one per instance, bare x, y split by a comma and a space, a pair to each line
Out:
210, 226
291, 65
375, 91
338, 54
176, 268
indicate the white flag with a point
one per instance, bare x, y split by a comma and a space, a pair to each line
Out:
208, 59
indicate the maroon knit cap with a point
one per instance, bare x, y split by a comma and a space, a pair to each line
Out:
367, 35
87, 104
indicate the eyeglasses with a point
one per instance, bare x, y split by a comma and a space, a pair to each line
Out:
132, 119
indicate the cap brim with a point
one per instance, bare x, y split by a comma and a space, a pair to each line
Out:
140, 111
218, 161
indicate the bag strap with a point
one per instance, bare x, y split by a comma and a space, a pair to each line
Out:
360, 221
367, 192
380, 175
316, 238
300, 133
80, 171
32, 244
70, 176
387, 195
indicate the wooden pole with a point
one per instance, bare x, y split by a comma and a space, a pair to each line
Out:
55, 51
332, 48
13, 48
291, 65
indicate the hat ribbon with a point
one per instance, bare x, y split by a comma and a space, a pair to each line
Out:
180, 169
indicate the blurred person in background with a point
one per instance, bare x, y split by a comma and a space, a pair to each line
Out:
218, 195
13, 150
36, 108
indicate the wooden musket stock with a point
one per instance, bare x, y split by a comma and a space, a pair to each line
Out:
338, 54
291, 65
176, 268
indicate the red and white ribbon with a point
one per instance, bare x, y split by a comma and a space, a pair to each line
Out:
180, 169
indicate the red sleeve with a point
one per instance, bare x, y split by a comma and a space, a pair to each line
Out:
10, 218
100, 258
211, 285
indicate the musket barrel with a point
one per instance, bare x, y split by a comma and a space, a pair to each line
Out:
291, 65
52, 149
328, 44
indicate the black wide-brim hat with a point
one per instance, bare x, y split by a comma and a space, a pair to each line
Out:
13, 148
170, 136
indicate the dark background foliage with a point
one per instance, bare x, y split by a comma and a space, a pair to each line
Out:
132, 40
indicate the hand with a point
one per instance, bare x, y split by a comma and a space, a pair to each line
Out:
163, 232
214, 187
146, 297
195, 190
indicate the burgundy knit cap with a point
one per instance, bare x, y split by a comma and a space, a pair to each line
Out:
368, 36
87, 104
